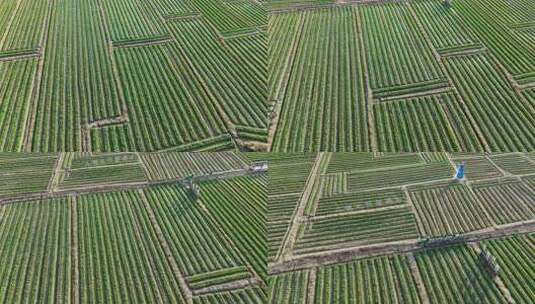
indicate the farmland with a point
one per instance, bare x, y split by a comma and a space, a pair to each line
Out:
401, 76
116, 75
397, 228
88, 228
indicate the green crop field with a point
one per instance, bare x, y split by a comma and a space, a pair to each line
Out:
119, 75
105, 227
401, 76
398, 228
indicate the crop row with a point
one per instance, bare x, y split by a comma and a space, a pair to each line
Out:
254, 295
323, 106
119, 256
347, 162
288, 288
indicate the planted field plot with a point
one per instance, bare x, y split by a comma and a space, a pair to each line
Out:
15, 88
456, 275
517, 260
245, 296
447, 30
22, 25
82, 171
507, 201
448, 209
163, 165
120, 258
240, 207
36, 262
356, 201
399, 61
517, 164
21, 174
323, 102
505, 120
76, 85
429, 123
348, 230
346, 162
376, 280
289, 288
396, 177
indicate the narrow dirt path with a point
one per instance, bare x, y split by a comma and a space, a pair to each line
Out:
75, 284
311, 285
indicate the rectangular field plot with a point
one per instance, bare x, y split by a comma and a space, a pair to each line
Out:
35, 238
429, 123
25, 174
246, 296
324, 106
516, 258
81, 171
357, 229
120, 257
207, 63
130, 20
288, 288
505, 120
283, 39
22, 24
399, 60
478, 167
506, 202
375, 280
162, 166
333, 184
16, 79
514, 163
348, 202
192, 235
455, 275
163, 112
446, 29
396, 177
240, 206
448, 209
77, 84
348, 162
